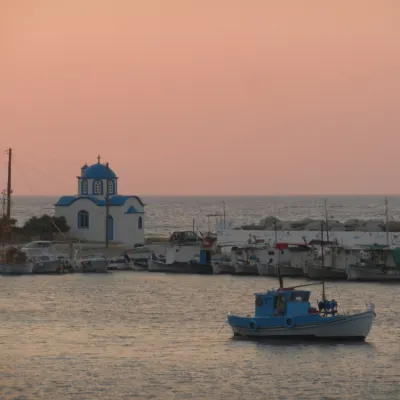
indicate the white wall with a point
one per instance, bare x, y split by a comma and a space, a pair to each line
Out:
126, 229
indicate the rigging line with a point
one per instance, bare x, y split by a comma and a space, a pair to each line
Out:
26, 179
43, 173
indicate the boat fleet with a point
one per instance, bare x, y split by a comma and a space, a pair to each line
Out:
189, 252
316, 260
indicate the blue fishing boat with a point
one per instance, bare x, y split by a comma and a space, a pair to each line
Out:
287, 313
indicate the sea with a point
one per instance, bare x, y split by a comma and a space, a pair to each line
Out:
139, 335
166, 214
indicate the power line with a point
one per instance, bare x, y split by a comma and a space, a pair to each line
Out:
26, 179
43, 173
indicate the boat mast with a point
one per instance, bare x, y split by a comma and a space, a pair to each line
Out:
322, 244
107, 204
9, 186
224, 213
279, 256
326, 220
387, 220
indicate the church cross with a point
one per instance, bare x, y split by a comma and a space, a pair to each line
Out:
98, 159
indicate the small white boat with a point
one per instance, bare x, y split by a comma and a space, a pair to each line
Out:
222, 266
375, 263
121, 263
240, 257
47, 264
14, 262
90, 263
16, 269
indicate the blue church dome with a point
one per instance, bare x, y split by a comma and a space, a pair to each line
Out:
98, 171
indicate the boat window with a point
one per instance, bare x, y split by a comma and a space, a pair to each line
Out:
299, 296
271, 253
44, 244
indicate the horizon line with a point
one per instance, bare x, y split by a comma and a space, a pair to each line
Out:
239, 195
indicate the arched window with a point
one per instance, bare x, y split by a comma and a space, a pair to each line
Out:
110, 187
83, 219
85, 187
140, 223
98, 187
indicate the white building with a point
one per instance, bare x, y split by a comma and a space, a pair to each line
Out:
86, 212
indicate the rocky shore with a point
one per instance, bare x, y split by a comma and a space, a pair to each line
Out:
307, 224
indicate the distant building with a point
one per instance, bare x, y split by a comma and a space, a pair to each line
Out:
86, 212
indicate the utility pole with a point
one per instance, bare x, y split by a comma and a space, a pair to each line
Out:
3, 195
9, 186
107, 205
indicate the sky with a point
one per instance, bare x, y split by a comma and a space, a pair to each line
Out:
211, 97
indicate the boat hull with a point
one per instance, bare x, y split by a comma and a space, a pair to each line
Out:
285, 270
97, 266
289, 271
327, 273
349, 327
374, 274
180, 267
16, 269
246, 269
266, 269
141, 265
50, 267
224, 268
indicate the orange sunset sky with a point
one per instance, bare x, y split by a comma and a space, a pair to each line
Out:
202, 97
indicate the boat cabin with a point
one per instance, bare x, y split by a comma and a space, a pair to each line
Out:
185, 237
290, 302
282, 302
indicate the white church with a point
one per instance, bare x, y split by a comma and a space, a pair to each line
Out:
86, 212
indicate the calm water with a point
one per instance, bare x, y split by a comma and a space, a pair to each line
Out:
166, 214
131, 335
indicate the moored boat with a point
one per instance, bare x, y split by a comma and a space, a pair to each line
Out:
287, 313
47, 264
178, 267
14, 262
90, 263
16, 269
376, 263
222, 266
243, 260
